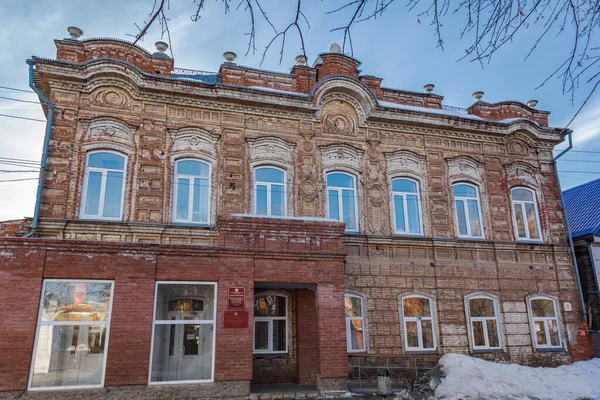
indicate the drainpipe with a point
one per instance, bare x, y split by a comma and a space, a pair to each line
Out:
569, 133
38, 199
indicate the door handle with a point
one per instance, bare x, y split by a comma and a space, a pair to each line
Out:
181, 351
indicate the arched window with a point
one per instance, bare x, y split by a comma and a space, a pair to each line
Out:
355, 323
483, 319
407, 206
419, 323
341, 199
525, 214
191, 194
269, 191
103, 185
270, 323
468, 210
545, 322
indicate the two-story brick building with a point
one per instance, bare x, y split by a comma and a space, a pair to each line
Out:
199, 232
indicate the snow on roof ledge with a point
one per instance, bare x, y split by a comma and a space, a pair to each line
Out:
311, 219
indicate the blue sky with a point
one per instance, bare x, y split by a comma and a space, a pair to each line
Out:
396, 47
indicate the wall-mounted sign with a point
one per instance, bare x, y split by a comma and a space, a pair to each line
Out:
236, 319
236, 299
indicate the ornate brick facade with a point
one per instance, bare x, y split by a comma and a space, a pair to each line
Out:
315, 120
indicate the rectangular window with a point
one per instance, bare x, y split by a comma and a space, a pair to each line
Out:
183, 333
482, 312
71, 340
468, 211
341, 200
270, 323
355, 333
103, 186
545, 323
419, 330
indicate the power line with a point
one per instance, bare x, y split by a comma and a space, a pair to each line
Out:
17, 90
28, 119
17, 170
20, 160
18, 180
19, 100
568, 159
581, 151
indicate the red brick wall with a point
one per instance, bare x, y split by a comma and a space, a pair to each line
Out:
135, 268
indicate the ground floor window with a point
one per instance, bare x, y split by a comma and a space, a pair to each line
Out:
184, 332
270, 323
355, 332
71, 340
419, 324
546, 326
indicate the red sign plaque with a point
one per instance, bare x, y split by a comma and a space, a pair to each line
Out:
236, 299
236, 319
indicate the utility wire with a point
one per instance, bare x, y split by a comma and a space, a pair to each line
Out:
28, 119
17, 170
20, 160
17, 90
19, 100
18, 180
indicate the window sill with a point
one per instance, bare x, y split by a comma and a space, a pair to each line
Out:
484, 351
471, 238
92, 219
272, 355
419, 352
550, 350
408, 235
529, 241
191, 225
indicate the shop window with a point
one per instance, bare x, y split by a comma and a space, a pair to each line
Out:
191, 195
103, 186
184, 333
546, 325
270, 324
341, 200
484, 323
407, 206
468, 211
269, 191
71, 340
355, 323
419, 323
526, 218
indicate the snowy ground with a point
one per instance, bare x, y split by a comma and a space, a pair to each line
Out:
472, 378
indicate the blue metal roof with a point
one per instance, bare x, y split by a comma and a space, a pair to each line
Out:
582, 204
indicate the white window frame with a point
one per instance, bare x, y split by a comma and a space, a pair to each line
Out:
364, 328
104, 171
270, 320
405, 203
268, 185
71, 323
418, 320
545, 320
484, 320
191, 178
521, 204
184, 322
464, 200
339, 191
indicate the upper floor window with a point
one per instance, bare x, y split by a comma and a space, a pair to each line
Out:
525, 214
103, 185
191, 200
485, 329
546, 328
270, 323
341, 199
269, 191
419, 323
355, 323
407, 207
468, 211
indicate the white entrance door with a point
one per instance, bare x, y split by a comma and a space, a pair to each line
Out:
184, 352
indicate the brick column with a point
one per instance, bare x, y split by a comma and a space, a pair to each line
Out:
331, 337
308, 361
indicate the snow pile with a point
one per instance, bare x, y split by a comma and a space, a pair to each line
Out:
472, 378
